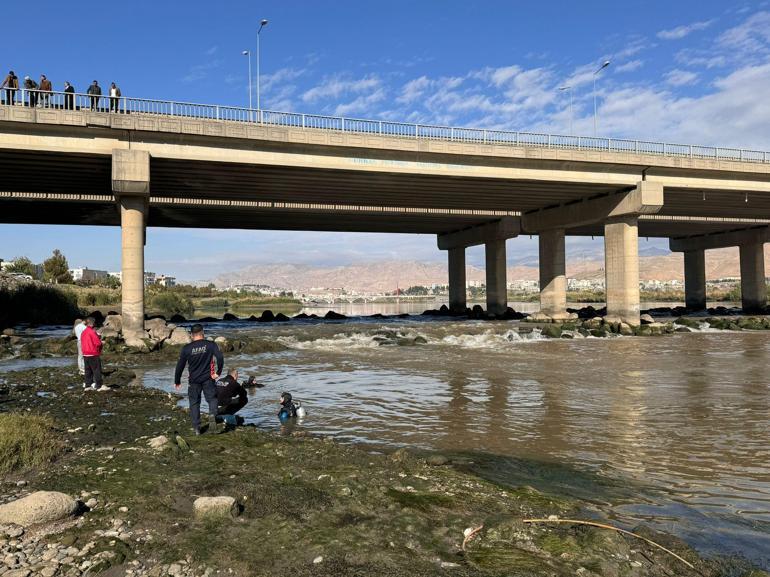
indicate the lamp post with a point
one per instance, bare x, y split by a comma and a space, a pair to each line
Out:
602, 67
563, 88
251, 107
262, 24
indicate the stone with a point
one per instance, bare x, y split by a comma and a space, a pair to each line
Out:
625, 330
539, 318
318, 560
229, 317
18, 573
215, 507
158, 443
9, 332
15, 532
39, 507
646, 319
179, 336
437, 460
114, 322
158, 329
108, 332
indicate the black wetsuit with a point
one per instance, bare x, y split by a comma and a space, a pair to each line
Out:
231, 396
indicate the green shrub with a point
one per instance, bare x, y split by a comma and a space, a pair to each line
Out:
98, 298
36, 304
26, 441
171, 304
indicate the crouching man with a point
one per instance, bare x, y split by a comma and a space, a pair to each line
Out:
231, 397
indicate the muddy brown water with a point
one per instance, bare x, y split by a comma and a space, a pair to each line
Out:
674, 428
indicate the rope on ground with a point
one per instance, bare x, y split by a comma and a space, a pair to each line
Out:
611, 528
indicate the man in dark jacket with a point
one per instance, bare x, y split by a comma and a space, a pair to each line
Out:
11, 85
94, 91
69, 96
31, 86
231, 396
200, 356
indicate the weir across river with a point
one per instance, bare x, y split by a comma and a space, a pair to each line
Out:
170, 164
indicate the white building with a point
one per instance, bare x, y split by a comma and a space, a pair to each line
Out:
85, 274
166, 281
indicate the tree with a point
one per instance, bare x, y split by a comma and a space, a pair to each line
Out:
21, 264
56, 269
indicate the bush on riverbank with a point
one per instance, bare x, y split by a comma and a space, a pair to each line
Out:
26, 441
171, 304
37, 304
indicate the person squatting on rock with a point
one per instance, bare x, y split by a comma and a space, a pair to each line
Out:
231, 397
79, 328
92, 356
200, 356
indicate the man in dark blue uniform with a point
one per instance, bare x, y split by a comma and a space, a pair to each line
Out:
200, 356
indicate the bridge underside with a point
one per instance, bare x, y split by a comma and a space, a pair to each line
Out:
57, 188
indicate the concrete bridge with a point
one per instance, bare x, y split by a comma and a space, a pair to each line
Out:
167, 164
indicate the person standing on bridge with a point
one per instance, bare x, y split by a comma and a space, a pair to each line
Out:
114, 98
31, 86
69, 96
45, 91
200, 356
94, 91
11, 85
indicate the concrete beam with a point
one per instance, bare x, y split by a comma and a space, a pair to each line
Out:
742, 237
503, 229
645, 198
130, 172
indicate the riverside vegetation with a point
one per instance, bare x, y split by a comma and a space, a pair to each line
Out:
300, 505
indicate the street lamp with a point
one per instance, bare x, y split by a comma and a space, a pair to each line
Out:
262, 24
248, 53
602, 67
563, 88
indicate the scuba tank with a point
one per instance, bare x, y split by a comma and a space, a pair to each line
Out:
301, 412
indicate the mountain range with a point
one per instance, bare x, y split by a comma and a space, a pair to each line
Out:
654, 264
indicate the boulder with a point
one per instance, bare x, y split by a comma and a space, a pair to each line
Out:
267, 316
39, 507
158, 329
229, 317
625, 330
281, 318
215, 507
331, 315
177, 319
107, 332
114, 322
179, 336
646, 319
551, 331
9, 332
539, 318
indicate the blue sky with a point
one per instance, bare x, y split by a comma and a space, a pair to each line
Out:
693, 71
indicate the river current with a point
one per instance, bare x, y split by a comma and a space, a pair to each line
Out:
673, 429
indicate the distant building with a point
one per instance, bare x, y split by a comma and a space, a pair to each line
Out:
149, 278
88, 274
6, 264
166, 281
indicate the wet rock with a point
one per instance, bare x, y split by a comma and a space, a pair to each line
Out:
179, 336
176, 319
158, 329
114, 322
267, 317
281, 318
552, 331
646, 319
625, 330
215, 507
39, 507
437, 460
334, 316
539, 318
229, 317
9, 332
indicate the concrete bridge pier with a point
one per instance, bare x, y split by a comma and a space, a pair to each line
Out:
553, 278
457, 293
753, 286
131, 186
497, 286
621, 258
695, 279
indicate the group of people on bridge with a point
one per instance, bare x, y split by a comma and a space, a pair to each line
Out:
39, 93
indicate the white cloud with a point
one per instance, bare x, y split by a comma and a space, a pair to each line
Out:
362, 105
414, 89
750, 38
630, 66
680, 77
681, 31
338, 85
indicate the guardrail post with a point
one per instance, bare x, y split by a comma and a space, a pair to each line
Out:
636, 146
691, 151
217, 112
664, 149
517, 139
303, 121
380, 127
485, 136
342, 123
549, 141
740, 152
416, 130
609, 145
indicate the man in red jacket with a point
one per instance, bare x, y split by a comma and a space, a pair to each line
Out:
92, 355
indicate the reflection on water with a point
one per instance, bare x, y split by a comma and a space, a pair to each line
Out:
683, 417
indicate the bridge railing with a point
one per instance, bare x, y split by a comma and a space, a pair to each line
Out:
126, 105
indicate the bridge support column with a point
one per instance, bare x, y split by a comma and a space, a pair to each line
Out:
131, 186
621, 257
553, 279
457, 299
497, 289
695, 279
753, 287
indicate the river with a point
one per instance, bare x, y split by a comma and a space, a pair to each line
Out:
675, 428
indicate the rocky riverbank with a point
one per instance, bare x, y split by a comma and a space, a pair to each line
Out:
292, 504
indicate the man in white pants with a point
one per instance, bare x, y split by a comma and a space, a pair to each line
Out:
79, 328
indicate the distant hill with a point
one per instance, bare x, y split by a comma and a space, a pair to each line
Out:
387, 275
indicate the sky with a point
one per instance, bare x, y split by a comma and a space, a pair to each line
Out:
690, 71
